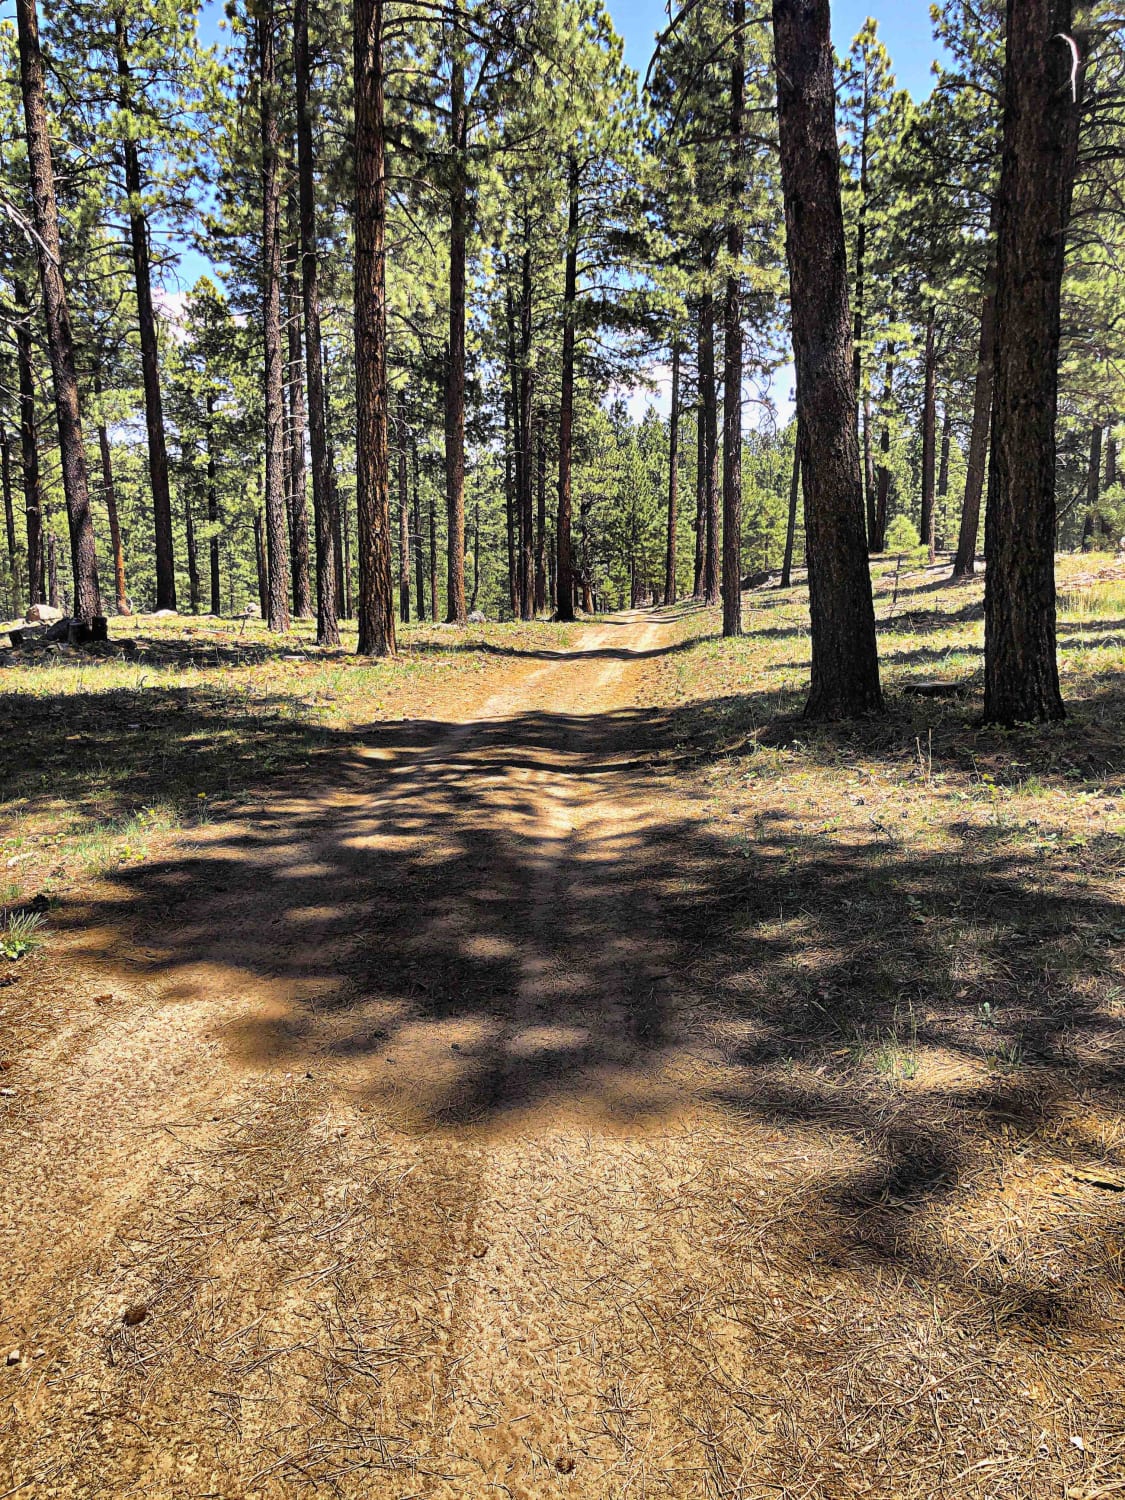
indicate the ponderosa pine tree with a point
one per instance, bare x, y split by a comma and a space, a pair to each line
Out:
845, 666
373, 529
60, 344
1043, 76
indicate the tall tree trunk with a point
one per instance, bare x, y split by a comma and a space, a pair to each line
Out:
964, 564
29, 448
146, 325
212, 504
791, 523
302, 587
863, 403
510, 505
60, 343
455, 375
9, 519
710, 399
527, 457
845, 664
1040, 148
929, 435
403, 516
476, 556
564, 577
541, 515
109, 494
700, 484
732, 343
434, 610
1093, 486
277, 535
373, 527
341, 560
192, 559
673, 479
325, 519
420, 551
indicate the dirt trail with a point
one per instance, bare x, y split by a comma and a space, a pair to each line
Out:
391, 1149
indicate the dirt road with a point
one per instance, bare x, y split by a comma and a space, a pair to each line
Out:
394, 1140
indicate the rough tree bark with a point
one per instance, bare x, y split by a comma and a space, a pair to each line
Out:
1040, 148
325, 520
60, 342
564, 579
845, 666
673, 479
455, 375
700, 499
709, 397
732, 342
277, 532
373, 528
964, 563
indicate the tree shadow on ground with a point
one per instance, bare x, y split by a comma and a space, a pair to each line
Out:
470, 924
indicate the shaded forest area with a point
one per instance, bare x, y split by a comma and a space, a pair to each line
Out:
446, 242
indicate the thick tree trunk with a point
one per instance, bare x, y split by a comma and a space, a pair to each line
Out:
212, 506
541, 515
732, 343
455, 374
150, 355
325, 520
302, 586
564, 583
964, 564
1040, 148
709, 397
60, 342
277, 534
673, 479
929, 436
403, 517
791, 523
9, 520
1093, 486
29, 448
373, 528
845, 665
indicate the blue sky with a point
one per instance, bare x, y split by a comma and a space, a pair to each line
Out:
904, 26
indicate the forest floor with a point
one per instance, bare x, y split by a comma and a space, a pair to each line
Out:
545, 1067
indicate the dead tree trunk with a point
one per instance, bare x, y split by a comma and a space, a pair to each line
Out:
845, 665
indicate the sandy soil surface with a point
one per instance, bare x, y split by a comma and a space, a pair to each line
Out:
396, 1138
